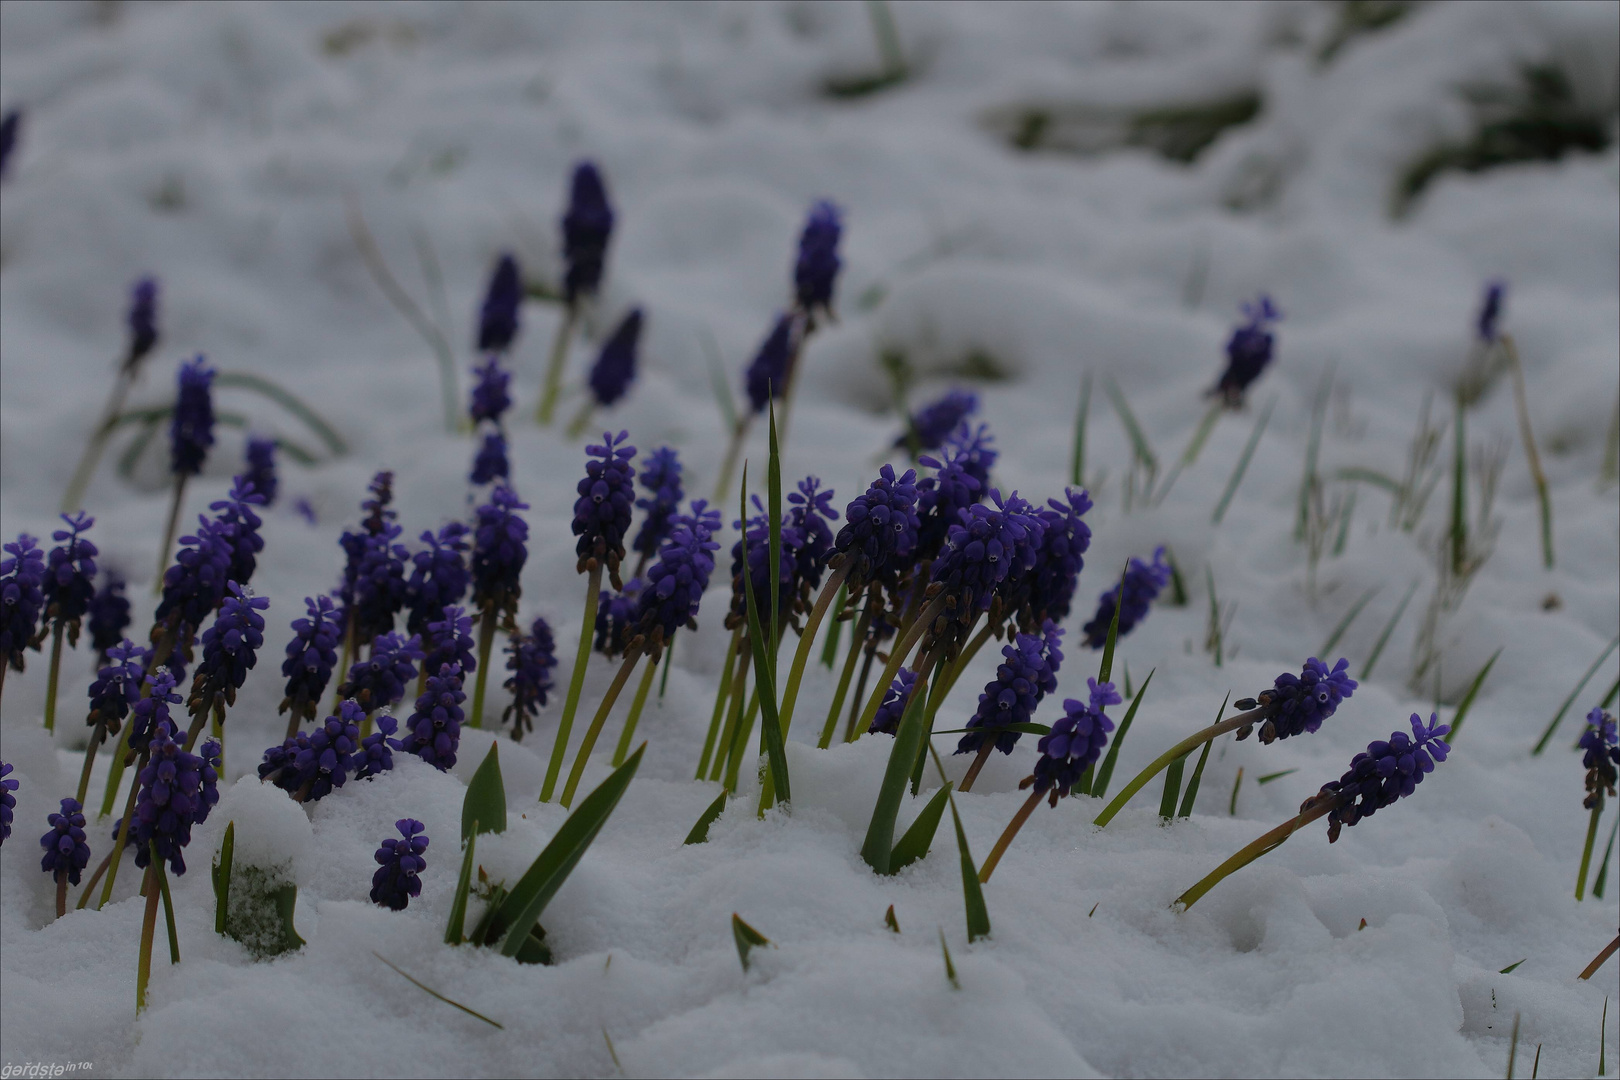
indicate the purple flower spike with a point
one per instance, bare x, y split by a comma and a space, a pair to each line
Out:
490, 463
237, 522
809, 510
1601, 741
1047, 591
70, 572
396, 883
1490, 311
117, 685
662, 478
1076, 741
817, 267
1248, 353
767, 375
151, 713
194, 585
376, 750
230, 647
8, 801
983, 550
354, 543
498, 320
311, 655
586, 227
310, 764
1300, 703
449, 641
439, 578
66, 852
490, 397
143, 328
933, 424
880, 528
22, 576
615, 366
109, 614
177, 791
499, 552
1142, 584
380, 680
530, 658
1027, 675
675, 583
1385, 772
616, 619
191, 431
261, 468
886, 721
602, 511
379, 583
433, 732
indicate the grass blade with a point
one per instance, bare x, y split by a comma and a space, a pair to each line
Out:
1349, 617
455, 927
700, 831
221, 873
1139, 443
258, 384
1389, 628
1243, 462
434, 993
773, 505
1172, 786
878, 847
523, 905
1468, 698
748, 939
829, 649
1602, 880
1269, 777
1099, 787
1191, 796
1237, 785
717, 379
1077, 461
950, 968
1105, 670
764, 672
1311, 482
1024, 729
890, 921
914, 844
483, 808
1459, 498
978, 916
1558, 718
1357, 474
1522, 404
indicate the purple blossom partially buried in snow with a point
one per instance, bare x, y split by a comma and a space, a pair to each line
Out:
380, 680
1298, 704
886, 721
433, 731
312, 763
931, 425
396, 882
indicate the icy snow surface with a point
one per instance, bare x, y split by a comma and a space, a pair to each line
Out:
213, 145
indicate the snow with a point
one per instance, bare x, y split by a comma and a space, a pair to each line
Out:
214, 145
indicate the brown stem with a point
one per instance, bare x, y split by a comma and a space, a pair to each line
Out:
1597, 961
61, 893
978, 763
168, 532
96, 737
1011, 831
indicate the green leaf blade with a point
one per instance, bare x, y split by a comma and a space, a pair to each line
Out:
483, 808
456, 925
1099, 787
978, 916
700, 831
914, 844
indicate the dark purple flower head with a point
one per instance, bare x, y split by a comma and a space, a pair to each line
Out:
311, 655
117, 685
10, 126
675, 583
933, 424
379, 513
1249, 350
1385, 772
602, 511
662, 479
1047, 591
530, 658
449, 641
498, 320
586, 226
433, 732
377, 749
615, 366
767, 375
817, 267
195, 583
886, 721
940, 500
22, 576
1490, 311
880, 528
758, 535
499, 552
378, 504
109, 613
1601, 741
191, 431
143, 328
1075, 742
490, 463
379, 582
70, 572
490, 397
150, 713
1026, 675
971, 447
399, 862
66, 853
1299, 703
230, 647
261, 468
439, 576
380, 679
311, 763
1142, 583
237, 521
986, 547
8, 801
809, 510
177, 790
616, 619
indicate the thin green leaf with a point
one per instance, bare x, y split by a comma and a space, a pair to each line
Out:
829, 649
1023, 729
1099, 786
914, 844
773, 508
1509, 969
764, 672
434, 993
1077, 461
1237, 785
1468, 698
221, 873
717, 379
168, 915
1614, 691
483, 808
1558, 718
523, 906
1191, 796
1178, 584
1139, 442
258, 384
748, 939
1172, 786
1311, 482
1357, 474
1459, 499
1243, 462
879, 845
458, 904
1389, 628
950, 968
700, 831
1602, 880
1269, 777
1105, 671
1349, 617
285, 900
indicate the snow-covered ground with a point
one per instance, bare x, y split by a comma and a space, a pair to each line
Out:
214, 145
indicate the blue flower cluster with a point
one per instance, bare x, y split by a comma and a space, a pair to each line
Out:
675, 583
817, 267
767, 374
661, 477
177, 790
261, 468
1142, 584
1601, 743
311, 655
433, 732
194, 584
22, 574
380, 680
70, 572
886, 721
109, 613
490, 463
66, 852
616, 619
1047, 591
8, 801
236, 520
1248, 353
615, 365
1024, 678
530, 658
880, 529
230, 648
1075, 742
191, 429
439, 576
490, 394
1299, 703
1384, 773
117, 685
934, 423
311, 763
602, 511
150, 714
449, 641
498, 318
396, 882
984, 550
586, 226
1490, 311
143, 328
499, 552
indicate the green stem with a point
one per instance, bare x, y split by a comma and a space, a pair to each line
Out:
728, 464
143, 968
597, 722
593, 588
622, 751
1522, 404
582, 418
168, 532
722, 695
1267, 842
168, 908
741, 738
55, 675
1163, 761
726, 749
801, 655
962, 661
115, 775
1007, 835
98, 442
486, 639
1586, 852
554, 366
855, 643
123, 837
96, 737
350, 647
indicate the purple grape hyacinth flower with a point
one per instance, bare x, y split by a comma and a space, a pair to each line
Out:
376, 750
70, 571
498, 319
177, 790
150, 713
1384, 773
1601, 743
602, 511
490, 463
195, 583
615, 366
880, 528
8, 801
117, 685
439, 576
1022, 681
757, 531
1490, 311
379, 514
886, 721
809, 510
499, 552
230, 648
379, 582
433, 732
449, 640
261, 468
1299, 703
1047, 591
530, 658
66, 852
380, 680
933, 424
817, 267
616, 619
490, 395
1142, 584
143, 328
22, 575
662, 479
1075, 742
767, 374
1248, 353
940, 498
311, 655
191, 431
236, 521
675, 583
396, 882
587, 225
983, 550
311, 763
109, 614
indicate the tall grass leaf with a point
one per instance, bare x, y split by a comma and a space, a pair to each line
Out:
258, 384
1099, 786
978, 916
1077, 461
1389, 628
1532, 457
1237, 785
747, 938
700, 831
1191, 796
1511, 967
1614, 691
1139, 442
717, 379
1172, 787
1473, 691
1105, 671
221, 874
1178, 584
484, 806
434, 993
1269, 777
829, 649
878, 847
1459, 498
1311, 482
764, 673
914, 844
773, 505
1558, 718
523, 906
1243, 462
950, 968
1349, 617
454, 930
1357, 475
1602, 881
